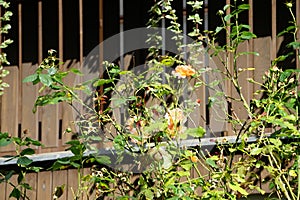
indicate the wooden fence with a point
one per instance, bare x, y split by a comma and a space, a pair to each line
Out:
44, 183
48, 123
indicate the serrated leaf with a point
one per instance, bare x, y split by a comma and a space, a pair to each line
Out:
33, 142
27, 151
24, 161
45, 79
30, 78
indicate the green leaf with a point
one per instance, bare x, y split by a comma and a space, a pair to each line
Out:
46, 79
196, 132
256, 151
168, 61
244, 7
16, 193
30, 78
5, 141
237, 188
247, 35
227, 17
52, 71
295, 45
103, 160
218, 29
24, 161
76, 71
9, 175
33, 142
211, 162
101, 82
226, 7
148, 194
27, 151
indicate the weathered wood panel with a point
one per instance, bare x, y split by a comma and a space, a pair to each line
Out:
44, 185
67, 112
29, 120
31, 179
59, 179
9, 106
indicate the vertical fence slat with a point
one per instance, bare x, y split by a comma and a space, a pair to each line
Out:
40, 31
274, 31
20, 33
80, 31
50, 125
67, 112
72, 185
59, 179
87, 171
29, 95
261, 62
251, 49
217, 119
9, 106
9, 188
3, 190
60, 30
242, 62
44, 185
31, 179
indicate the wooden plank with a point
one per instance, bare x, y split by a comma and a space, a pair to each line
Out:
251, 49
29, 92
261, 62
40, 32
242, 63
60, 30
274, 31
3, 190
9, 187
31, 179
59, 179
20, 33
80, 32
72, 185
44, 185
88, 196
9, 106
67, 112
50, 125
217, 113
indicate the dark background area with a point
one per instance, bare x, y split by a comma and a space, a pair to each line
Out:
135, 15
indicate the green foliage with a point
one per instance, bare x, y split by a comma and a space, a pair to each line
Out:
156, 121
24, 147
